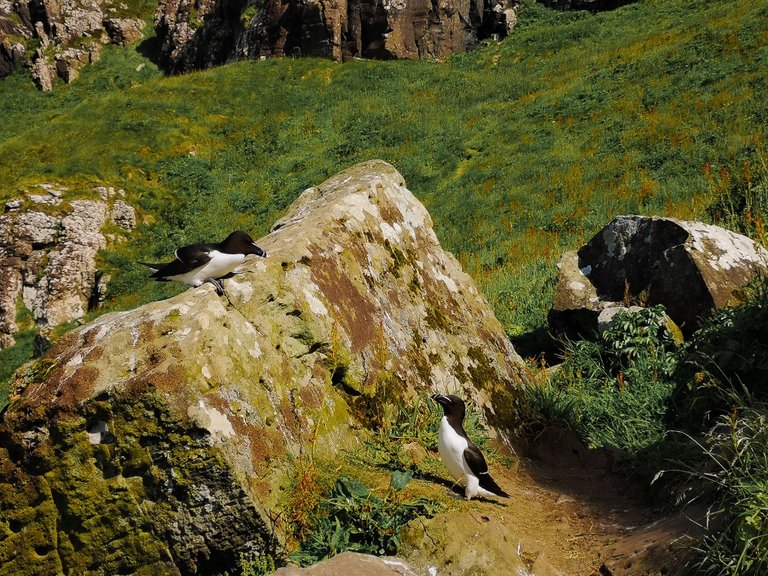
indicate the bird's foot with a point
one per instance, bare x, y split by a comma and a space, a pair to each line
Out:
218, 285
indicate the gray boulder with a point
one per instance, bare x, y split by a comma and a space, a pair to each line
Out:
690, 267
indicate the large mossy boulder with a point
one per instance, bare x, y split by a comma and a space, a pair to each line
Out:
689, 267
157, 440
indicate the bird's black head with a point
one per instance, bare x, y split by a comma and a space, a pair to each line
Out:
453, 406
240, 242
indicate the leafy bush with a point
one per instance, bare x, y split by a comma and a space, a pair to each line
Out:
725, 363
354, 518
261, 565
613, 391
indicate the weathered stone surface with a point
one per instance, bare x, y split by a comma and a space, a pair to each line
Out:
469, 543
123, 31
352, 564
690, 267
48, 252
166, 431
203, 34
70, 34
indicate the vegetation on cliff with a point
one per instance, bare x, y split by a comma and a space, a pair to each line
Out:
519, 151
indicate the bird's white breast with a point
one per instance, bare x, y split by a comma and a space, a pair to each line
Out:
219, 265
451, 447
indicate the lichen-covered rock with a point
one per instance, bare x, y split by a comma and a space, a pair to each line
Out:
352, 564
195, 35
690, 267
48, 250
166, 431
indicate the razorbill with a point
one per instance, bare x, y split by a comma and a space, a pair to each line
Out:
462, 458
199, 263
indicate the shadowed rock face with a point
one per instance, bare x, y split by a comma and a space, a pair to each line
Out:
212, 32
690, 267
159, 436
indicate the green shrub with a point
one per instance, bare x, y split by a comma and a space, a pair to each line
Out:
260, 565
354, 518
613, 391
725, 363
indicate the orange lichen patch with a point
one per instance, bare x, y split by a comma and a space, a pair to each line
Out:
312, 396
291, 419
77, 388
353, 308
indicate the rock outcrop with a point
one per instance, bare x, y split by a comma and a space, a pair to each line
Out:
211, 32
57, 38
689, 267
156, 440
352, 564
48, 246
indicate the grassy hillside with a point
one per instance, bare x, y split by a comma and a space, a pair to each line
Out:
519, 150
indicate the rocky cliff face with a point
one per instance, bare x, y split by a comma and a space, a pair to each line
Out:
155, 440
210, 32
48, 247
55, 38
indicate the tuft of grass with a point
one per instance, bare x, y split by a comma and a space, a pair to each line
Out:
732, 473
353, 517
12, 358
740, 199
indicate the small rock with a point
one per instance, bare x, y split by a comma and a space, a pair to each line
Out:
14, 204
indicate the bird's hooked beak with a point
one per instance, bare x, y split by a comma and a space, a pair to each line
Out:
440, 399
259, 250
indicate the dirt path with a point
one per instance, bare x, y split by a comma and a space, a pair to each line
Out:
568, 515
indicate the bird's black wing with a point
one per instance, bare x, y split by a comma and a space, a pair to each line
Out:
187, 258
194, 255
476, 462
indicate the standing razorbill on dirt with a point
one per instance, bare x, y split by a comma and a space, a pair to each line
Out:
462, 458
199, 263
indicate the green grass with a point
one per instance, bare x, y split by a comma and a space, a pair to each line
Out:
614, 391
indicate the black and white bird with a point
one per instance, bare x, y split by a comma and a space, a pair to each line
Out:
462, 458
199, 263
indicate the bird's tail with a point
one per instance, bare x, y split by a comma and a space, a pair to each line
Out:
490, 484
